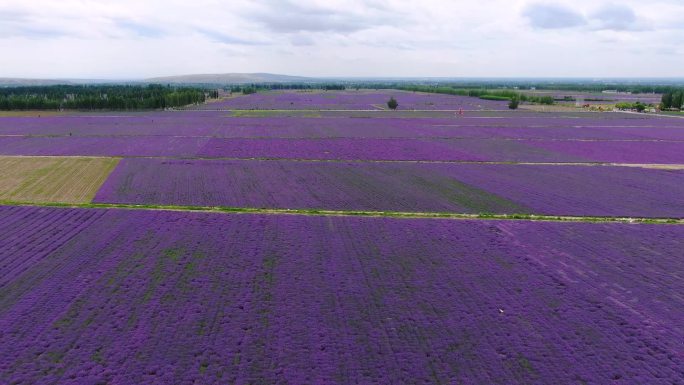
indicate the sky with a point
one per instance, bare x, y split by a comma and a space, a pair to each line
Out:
135, 39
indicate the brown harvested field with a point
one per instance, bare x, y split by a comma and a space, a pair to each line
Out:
52, 179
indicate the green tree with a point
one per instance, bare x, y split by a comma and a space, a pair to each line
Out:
392, 103
677, 99
666, 100
546, 100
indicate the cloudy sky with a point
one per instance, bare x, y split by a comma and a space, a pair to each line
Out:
466, 38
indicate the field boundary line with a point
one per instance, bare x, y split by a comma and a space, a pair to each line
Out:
662, 166
64, 156
358, 138
651, 114
355, 213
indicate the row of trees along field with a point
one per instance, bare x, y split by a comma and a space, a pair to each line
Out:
579, 86
100, 97
253, 88
673, 100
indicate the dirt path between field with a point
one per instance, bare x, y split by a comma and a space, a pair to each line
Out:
655, 166
651, 114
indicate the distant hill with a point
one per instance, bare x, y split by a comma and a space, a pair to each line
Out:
25, 82
19, 82
230, 78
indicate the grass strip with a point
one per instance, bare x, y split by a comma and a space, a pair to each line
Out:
353, 213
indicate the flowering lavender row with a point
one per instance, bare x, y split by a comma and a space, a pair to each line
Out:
352, 100
103, 146
448, 150
216, 124
577, 190
594, 126
618, 152
540, 113
462, 188
143, 297
352, 149
296, 185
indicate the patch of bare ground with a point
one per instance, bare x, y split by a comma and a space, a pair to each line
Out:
653, 166
549, 108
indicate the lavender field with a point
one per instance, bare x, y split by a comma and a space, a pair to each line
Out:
129, 297
540, 126
338, 243
352, 100
349, 192
544, 137
462, 188
372, 149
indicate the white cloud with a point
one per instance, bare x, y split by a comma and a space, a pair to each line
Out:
133, 39
553, 16
617, 17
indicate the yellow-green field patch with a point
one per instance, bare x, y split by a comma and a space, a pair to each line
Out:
274, 114
53, 179
31, 113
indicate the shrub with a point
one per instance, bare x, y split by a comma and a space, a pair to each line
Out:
513, 104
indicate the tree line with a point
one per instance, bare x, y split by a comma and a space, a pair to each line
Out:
100, 97
673, 100
252, 88
644, 87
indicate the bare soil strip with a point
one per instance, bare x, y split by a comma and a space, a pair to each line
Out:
655, 166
